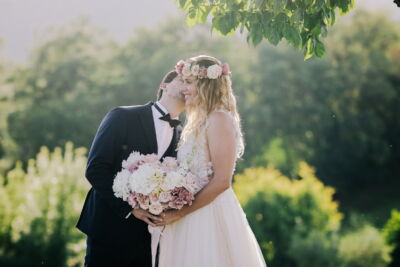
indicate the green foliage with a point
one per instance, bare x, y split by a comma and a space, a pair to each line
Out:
74, 79
39, 209
61, 95
391, 233
316, 250
364, 248
7, 146
338, 113
301, 23
279, 209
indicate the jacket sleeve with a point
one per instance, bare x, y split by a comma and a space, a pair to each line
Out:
104, 151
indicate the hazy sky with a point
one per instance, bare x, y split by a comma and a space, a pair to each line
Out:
21, 19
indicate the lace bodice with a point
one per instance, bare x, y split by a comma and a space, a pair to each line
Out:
193, 154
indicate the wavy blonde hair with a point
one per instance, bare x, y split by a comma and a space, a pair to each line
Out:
212, 94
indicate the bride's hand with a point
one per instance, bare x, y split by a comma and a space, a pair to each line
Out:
169, 217
146, 216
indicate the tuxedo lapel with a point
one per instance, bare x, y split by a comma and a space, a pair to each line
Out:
171, 150
149, 130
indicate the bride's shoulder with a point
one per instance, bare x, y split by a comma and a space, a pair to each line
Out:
219, 118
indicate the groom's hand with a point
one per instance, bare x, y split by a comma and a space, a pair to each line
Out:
146, 216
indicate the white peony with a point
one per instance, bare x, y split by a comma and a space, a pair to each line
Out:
133, 158
172, 180
186, 70
141, 181
214, 71
120, 185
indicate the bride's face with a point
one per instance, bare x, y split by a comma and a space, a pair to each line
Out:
190, 90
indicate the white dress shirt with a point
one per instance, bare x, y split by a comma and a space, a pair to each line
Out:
164, 131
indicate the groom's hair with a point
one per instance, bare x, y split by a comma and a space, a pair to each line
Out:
169, 77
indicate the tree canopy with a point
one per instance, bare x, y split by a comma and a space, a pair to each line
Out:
301, 22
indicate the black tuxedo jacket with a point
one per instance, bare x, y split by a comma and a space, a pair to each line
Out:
123, 130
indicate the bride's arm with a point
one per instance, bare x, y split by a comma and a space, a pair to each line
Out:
222, 147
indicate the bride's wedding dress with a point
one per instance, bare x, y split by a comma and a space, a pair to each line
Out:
216, 235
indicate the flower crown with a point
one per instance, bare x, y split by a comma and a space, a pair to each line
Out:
211, 72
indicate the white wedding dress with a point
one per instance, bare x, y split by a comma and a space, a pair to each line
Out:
216, 235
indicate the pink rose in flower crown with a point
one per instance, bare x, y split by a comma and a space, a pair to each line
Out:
186, 70
225, 69
179, 66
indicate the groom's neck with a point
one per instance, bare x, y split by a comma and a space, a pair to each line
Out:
172, 107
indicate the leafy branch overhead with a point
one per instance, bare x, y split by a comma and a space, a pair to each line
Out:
301, 22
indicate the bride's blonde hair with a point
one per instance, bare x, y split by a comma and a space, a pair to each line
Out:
212, 94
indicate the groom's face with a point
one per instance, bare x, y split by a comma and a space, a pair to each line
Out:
174, 89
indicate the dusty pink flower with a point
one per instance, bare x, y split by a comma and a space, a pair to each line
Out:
153, 198
164, 197
179, 66
225, 69
179, 197
132, 200
144, 201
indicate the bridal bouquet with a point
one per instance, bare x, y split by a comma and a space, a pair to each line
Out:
146, 183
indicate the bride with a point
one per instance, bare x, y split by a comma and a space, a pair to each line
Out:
213, 231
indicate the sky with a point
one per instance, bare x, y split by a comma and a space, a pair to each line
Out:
21, 21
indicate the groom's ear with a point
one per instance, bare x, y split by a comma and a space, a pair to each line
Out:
167, 79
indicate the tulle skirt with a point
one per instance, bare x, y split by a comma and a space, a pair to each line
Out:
217, 235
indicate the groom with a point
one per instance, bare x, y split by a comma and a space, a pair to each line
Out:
116, 234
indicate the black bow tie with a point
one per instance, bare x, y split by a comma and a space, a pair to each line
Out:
167, 117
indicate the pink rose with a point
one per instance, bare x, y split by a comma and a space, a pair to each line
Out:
179, 66
164, 197
144, 201
156, 208
186, 70
225, 69
153, 198
132, 200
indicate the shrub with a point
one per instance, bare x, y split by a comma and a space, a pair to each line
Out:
316, 250
279, 208
364, 248
391, 233
39, 209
